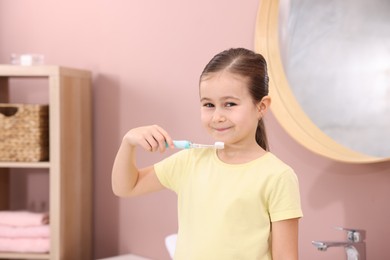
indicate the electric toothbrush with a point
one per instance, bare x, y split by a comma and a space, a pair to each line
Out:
183, 144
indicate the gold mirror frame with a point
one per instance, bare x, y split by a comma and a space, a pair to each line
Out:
284, 106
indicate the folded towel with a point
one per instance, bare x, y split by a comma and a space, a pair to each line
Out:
25, 245
23, 218
25, 232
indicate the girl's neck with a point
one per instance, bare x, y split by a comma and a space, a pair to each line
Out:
236, 155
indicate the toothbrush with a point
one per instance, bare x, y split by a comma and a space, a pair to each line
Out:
183, 144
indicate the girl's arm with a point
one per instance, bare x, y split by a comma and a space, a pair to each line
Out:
127, 179
285, 239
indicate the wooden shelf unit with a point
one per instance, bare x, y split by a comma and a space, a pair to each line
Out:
70, 163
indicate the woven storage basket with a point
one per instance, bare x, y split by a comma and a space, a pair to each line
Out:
24, 132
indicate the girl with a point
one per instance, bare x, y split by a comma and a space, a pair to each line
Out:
237, 203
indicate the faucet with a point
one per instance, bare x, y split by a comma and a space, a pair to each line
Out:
355, 246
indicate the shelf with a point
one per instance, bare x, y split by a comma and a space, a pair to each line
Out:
70, 166
24, 256
44, 165
41, 71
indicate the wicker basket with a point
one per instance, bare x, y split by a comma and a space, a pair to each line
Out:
24, 132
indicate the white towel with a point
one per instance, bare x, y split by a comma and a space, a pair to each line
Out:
25, 232
23, 218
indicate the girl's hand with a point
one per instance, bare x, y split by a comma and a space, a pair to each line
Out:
151, 138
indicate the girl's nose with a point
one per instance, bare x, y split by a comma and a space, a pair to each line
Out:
218, 116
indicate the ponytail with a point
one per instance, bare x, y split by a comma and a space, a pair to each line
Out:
261, 135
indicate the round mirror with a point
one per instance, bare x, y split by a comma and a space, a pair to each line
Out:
302, 50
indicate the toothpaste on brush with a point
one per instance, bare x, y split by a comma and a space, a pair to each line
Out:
183, 144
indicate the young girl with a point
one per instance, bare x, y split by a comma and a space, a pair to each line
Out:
240, 202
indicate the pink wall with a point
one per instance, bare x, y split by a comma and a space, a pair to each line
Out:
146, 57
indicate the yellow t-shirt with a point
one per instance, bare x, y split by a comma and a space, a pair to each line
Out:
225, 210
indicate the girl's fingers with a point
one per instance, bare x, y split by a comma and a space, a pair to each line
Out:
145, 144
158, 139
167, 140
150, 138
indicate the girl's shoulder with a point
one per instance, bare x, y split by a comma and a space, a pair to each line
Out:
272, 160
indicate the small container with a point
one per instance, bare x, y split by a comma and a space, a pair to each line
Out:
24, 132
27, 59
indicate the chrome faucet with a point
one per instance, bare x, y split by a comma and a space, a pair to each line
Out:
355, 246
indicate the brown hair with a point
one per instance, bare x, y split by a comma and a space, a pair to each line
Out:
248, 64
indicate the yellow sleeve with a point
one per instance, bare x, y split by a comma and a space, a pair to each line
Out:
172, 169
284, 200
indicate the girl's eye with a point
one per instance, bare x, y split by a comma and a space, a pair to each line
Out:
230, 104
208, 105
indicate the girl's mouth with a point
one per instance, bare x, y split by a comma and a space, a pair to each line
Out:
221, 129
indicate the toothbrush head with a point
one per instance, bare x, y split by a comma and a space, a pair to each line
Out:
219, 145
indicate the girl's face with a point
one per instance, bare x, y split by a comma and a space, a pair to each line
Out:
227, 110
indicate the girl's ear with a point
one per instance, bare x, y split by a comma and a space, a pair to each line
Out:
263, 105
